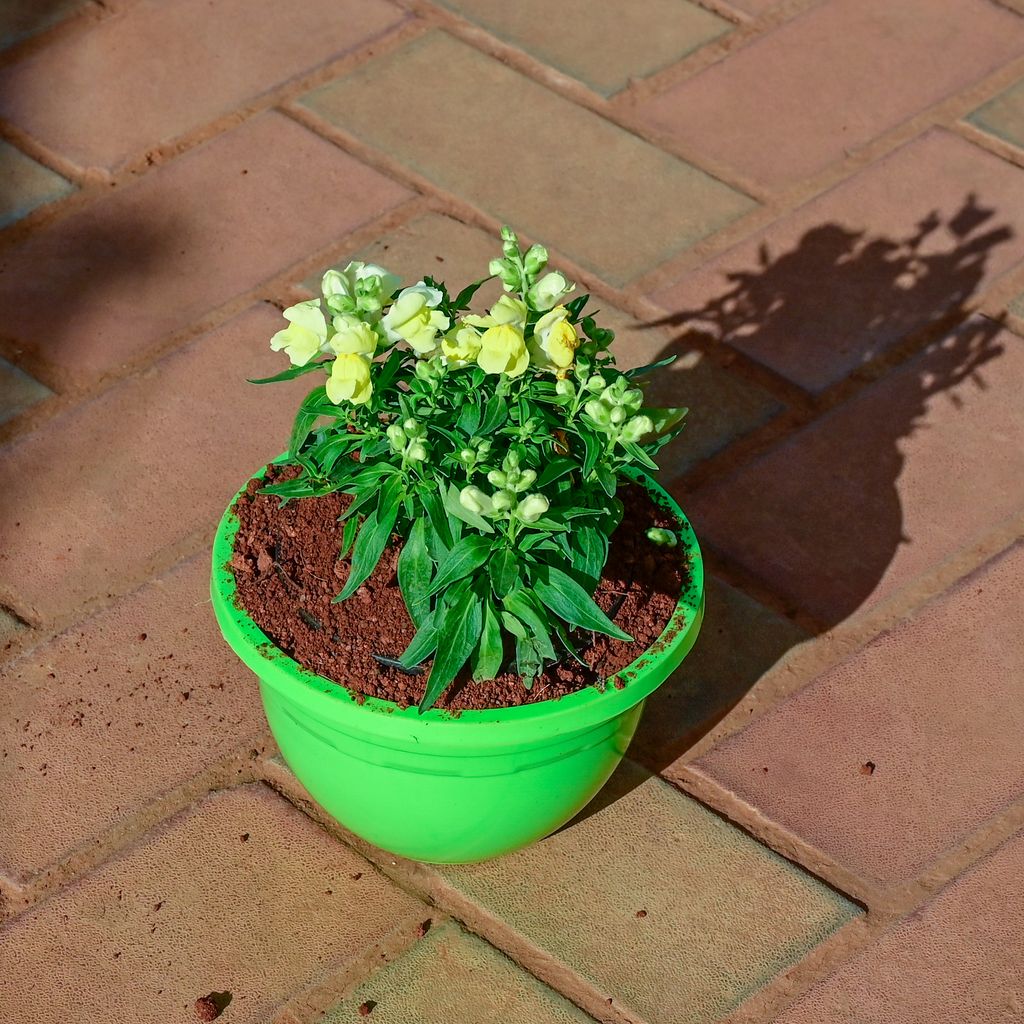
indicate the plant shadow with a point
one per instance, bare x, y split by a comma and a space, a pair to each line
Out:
835, 283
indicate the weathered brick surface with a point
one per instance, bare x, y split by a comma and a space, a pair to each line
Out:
242, 895
820, 86
18, 391
722, 916
26, 184
149, 260
604, 45
1003, 116
100, 98
741, 642
846, 276
20, 19
933, 706
129, 705
615, 204
885, 487
452, 976
105, 492
959, 959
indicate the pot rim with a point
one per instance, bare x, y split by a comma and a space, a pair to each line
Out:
582, 709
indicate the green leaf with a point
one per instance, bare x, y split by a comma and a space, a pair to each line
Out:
529, 661
292, 372
467, 555
666, 419
563, 635
520, 603
640, 371
305, 418
414, 571
606, 478
589, 553
554, 470
490, 652
348, 535
594, 449
567, 599
463, 624
574, 308
372, 539
465, 297
504, 571
433, 506
639, 455
495, 414
469, 418
423, 644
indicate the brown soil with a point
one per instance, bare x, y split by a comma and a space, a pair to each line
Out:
287, 571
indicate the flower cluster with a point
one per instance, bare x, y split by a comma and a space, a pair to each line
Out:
492, 445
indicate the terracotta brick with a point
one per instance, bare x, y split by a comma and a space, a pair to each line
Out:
99, 97
604, 46
105, 492
958, 959
611, 201
10, 628
825, 83
885, 487
243, 895
723, 914
452, 976
1003, 116
869, 263
431, 244
740, 643
18, 391
945, 757
20, 19
722, 406
26, 184
144, 262
1017, 306
130, 704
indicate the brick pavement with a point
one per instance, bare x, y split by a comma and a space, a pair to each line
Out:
818, 205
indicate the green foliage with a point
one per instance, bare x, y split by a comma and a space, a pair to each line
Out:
492, 445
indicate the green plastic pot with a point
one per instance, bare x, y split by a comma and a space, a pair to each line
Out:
453, 788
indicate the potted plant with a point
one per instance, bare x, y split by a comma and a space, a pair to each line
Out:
458, 585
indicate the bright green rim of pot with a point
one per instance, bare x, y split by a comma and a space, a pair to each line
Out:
578, 710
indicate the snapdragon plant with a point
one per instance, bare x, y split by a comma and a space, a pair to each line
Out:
492, 445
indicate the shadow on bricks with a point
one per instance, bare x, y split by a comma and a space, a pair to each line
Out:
818, 519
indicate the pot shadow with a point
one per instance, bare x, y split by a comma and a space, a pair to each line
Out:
877, 290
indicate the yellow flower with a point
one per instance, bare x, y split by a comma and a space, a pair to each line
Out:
353, 336
350, 380
554, 342
414, 320
461, 345
305, 335
507, 310
503, 350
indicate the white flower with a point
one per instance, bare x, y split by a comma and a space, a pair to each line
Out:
414, 319
549, 291
360, 286
306, 333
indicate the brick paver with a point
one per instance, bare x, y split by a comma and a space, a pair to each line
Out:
242, 895
26, 184
959, 959
858, 269
18, 391
451, 976
822, 85
659, 902
131, 704
888, 485
19, 20
139, 468
740, 643
603, 46
100, 98
1003, 116
651, 204
933, 706
152, 258
212, 154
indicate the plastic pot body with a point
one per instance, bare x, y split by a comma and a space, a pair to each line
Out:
453, 788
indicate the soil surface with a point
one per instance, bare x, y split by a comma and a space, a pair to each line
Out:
287, 571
